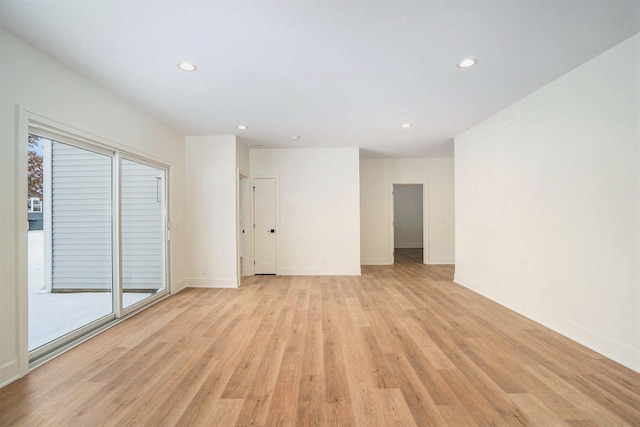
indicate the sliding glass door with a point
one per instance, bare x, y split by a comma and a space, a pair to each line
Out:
144, 231
70, 239
97, 239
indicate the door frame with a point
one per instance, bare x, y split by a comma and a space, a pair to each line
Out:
425, 220
77, 142
277, 215
28, 120
244, 201
121, 311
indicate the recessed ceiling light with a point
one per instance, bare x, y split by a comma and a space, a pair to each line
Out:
296, 137
467, 62
406, 125
187, 66
243, 127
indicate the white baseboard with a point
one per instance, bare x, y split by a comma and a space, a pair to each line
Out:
179, 286
596, 342
9, 373
337, 271
375, 261
408, 245
441, 261
231, 282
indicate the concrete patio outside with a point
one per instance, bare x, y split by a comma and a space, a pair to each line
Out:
52, 315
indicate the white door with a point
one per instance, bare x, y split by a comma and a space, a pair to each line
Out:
264, 202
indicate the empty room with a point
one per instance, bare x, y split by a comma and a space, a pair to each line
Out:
337, 213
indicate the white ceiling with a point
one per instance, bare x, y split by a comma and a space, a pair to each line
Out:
337, 73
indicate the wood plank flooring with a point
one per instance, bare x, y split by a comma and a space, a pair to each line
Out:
400, 345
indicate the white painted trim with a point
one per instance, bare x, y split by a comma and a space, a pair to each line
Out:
338, 271
376, 261
250, 243
240, 239
230, 282
426, 231
596, 342
392, 219
425, 222
247, 238
22, 315
237, 209
179, 286
9, 373
441, 261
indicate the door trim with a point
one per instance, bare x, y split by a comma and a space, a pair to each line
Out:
247, 239
27, 120
425, 220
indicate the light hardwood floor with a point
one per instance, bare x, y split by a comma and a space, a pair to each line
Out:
400, 345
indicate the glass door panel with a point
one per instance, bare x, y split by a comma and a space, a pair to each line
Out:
70, 268
143, 238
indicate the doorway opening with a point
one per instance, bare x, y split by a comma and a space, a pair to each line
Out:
408, 235
245, 254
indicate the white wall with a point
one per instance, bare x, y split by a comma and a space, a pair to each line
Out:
243, 161
36, 82
547, 205
211, 177
376, 179
318, 231
408, 217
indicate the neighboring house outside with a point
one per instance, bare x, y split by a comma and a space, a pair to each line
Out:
34, 213
78, 223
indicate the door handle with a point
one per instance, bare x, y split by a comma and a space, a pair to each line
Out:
273, 230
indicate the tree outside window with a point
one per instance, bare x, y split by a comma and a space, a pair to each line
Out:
35, 172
